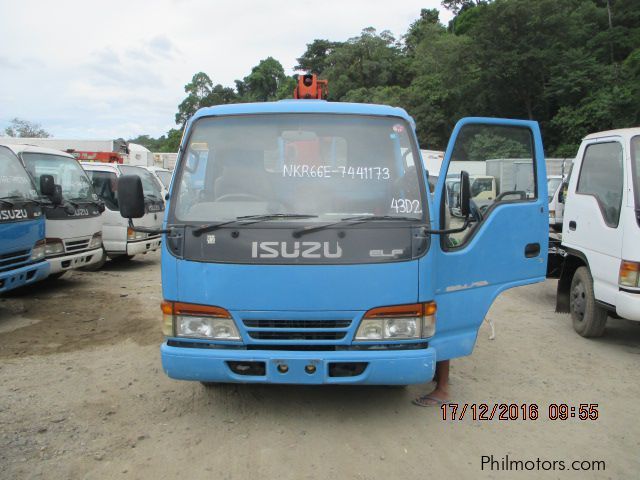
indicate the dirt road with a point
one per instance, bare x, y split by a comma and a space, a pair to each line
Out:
82, 395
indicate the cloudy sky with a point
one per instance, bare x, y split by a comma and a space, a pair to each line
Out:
108, 69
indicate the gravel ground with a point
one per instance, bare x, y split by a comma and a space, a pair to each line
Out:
82, 395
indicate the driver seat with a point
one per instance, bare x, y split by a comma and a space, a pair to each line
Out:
242, 173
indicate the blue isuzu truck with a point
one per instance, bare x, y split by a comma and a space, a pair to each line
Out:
22, 226
302, 244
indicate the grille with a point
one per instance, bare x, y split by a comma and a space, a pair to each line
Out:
297, 323
76, 245
11, 260
260, 335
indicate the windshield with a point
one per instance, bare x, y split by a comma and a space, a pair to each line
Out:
329, 166
552, 186
66, 172
105, 185
165, 177
14, 180
150, 185
635, 153
480, 185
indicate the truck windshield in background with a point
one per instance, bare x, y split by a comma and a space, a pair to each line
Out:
66, 172
150, 185
165, 177
14, 180
328, 166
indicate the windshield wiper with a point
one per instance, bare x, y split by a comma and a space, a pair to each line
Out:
6, 202
352, 221
247, 220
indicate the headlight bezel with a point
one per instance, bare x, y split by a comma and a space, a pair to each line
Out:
421, 315
96, 240
133, 235
39, 251
54, 247
176, 314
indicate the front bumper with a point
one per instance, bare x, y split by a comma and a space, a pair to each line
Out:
76, 260
23, 276
383, 367
628, 305
143, 246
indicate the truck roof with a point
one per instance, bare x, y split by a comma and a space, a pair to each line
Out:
19, 148
304, 106
621, 132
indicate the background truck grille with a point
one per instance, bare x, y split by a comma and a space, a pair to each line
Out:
13, 259
73, 246
300, 330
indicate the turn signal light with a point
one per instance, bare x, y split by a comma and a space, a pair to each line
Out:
629, 274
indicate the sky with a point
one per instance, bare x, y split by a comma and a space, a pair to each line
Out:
88, 69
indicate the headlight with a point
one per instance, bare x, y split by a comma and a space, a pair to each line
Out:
39, 251
54, 246
400, 322
133, 235
629, 274
198, 321
96, 240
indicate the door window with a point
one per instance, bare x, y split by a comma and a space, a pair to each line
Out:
601, 176
500, 163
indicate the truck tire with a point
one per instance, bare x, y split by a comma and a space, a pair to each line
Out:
589, 318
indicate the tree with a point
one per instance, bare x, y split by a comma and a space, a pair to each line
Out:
23, 128
456, 6
202, 93
264, 81
315, 58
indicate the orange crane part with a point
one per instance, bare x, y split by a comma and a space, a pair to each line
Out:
310, 87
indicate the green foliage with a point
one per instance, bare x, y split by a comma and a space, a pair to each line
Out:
19, 127
560, 62
264, 81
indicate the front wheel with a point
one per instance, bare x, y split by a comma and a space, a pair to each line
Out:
589, 318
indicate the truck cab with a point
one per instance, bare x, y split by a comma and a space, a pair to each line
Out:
73, 215
22, 226
601, 232
119, 240
302, 244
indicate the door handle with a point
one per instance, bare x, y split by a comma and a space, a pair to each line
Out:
532, 250
572, 225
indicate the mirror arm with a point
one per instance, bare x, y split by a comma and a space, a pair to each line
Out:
153, 231
464, 226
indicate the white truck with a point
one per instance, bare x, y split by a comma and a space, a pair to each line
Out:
599, 274
556, 207
72, 209
120, 241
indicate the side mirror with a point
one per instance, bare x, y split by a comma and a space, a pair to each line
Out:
465, 194
563, 192
131, 196
56, 197
47, 185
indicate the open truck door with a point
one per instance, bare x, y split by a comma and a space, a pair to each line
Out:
503, 245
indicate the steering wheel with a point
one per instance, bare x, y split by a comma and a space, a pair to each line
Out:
239, 196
